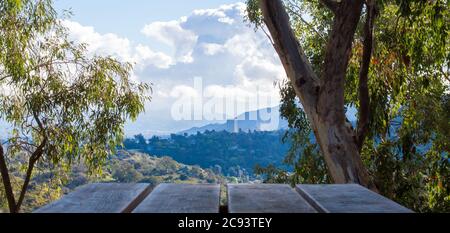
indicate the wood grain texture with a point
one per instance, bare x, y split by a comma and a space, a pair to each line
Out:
100, 198
265, 198
182, 198
348, 198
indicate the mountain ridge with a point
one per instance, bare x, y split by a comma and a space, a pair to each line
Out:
266, 119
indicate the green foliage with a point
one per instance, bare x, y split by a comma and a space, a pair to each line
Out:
132, 167
254, 14
407, 150
304, 154
56, 97
47, 184
407, 147
233, 154
124, 166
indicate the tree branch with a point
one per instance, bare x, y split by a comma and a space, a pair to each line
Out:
330, 4
37, 154
297, 67
363, 89
32, 161
338, 51
306, 23
44, 64
7, 181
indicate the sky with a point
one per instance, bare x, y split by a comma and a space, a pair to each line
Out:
196, 53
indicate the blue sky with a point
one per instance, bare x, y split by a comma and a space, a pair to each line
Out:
118, 15
126, 18
194, 52
175, 42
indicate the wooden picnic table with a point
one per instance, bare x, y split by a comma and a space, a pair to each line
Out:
205, 198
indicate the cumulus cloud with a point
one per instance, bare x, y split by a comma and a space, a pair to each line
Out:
236, 64
212, 48
144, 56
222, 13
109, 43
215, 44
112, 45
172, 34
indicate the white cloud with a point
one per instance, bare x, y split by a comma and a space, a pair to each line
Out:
212, 48
185, 91
172, 34
259, 70
144, 56
243, 45
106, 44
112, 44
215, 44
222, 13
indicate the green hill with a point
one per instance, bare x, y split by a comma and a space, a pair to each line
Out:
127, 166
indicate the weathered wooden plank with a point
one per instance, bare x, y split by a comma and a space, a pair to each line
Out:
100, 198
348, 198
265, 198
182, 198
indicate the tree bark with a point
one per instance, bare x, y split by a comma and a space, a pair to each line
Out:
331, 4
363, 88
7, 181
14, 207
323, 100
37, 154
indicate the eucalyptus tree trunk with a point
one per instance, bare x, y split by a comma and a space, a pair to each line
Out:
323, 98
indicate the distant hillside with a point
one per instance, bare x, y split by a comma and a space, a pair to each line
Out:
261, 120
257, 121
132, 166
126, 166
233, 154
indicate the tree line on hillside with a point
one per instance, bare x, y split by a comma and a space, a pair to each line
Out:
232, 154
